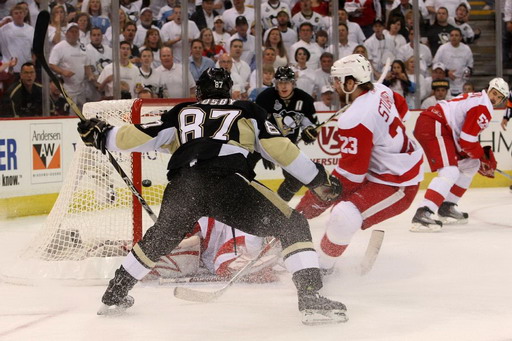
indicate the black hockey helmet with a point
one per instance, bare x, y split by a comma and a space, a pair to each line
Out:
214, 83
284, 73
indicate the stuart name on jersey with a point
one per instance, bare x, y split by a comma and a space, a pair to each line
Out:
374, 143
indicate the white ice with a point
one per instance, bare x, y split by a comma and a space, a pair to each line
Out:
453, 285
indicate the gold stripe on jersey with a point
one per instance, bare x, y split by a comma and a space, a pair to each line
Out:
246, 134
297, 247
273, 198
142, 257
281, 149
129, 137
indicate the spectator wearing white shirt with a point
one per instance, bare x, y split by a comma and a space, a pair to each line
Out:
220, 36
249, 42
458, 59
407, 50
98, 56
238, 90
355, 33
239, 9
268, 58
460, 20
438, 73
171, 34
275, 40
393, 32
269, 11
322, 75
16, 38
325, 103
68, 59
441, 93
306, 41
379, 47
307, 14
450, 5
128, 75
303, 73
240, 67
345, 46
284, 25
146, 22
172, 79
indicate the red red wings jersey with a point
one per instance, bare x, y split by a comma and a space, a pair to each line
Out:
374, 144
468, 115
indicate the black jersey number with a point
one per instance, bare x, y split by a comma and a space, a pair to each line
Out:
192, 122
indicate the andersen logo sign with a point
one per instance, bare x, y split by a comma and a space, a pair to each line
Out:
46, 144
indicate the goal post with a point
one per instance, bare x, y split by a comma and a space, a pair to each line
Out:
96, 218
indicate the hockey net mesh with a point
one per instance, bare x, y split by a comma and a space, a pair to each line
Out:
93, 220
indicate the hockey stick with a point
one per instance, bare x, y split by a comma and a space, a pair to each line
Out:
504, 174
43, 19
385, 71
372, 251
190, 294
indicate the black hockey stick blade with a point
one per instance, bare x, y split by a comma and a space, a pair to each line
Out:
43, 19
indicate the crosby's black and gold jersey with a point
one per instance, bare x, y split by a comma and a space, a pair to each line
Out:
213, 132
288, 115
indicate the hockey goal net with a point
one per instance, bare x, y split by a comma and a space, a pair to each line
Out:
96, 218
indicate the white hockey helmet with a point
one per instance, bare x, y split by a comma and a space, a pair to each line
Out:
500, 85
354, 65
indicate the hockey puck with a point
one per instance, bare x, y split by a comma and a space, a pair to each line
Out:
146, 183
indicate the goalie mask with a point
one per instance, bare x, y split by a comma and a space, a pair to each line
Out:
214, 83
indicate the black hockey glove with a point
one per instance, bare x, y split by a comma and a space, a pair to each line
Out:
94, 133
326, 187
309, 135
268, 164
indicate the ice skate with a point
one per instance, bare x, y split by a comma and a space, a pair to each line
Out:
423, 221
449, 214
317, 309
116, 299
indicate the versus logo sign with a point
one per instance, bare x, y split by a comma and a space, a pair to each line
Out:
328, 138
46, 144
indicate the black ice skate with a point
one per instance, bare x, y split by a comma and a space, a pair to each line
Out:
449, 214
116, 299
317, 309
423, 221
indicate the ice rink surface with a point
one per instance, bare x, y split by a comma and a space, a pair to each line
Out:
453, 285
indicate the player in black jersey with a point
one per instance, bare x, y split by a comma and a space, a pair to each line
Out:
291, 110
209, 176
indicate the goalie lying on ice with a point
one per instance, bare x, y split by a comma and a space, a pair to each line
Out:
214, 248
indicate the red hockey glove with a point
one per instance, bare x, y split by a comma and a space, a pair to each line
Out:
311, 206
488, 163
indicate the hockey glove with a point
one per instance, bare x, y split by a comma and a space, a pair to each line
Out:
311, 206
309, 135
94, 133
488, 163
268, 164
326, 187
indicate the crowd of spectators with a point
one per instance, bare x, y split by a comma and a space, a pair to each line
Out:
221, 33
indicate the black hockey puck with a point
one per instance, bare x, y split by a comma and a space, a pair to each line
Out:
146, 183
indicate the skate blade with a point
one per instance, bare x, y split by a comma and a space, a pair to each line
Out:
453, 221
312, 317
114, 310
418, 227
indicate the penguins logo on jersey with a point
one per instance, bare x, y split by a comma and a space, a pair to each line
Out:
288, 121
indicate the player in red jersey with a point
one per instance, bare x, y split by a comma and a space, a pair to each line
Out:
380, 166
448, 132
